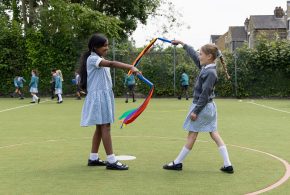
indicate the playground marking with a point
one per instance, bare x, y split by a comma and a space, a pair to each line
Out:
14, 108
268, 107
270, 187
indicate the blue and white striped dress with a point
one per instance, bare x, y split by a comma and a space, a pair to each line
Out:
99, 106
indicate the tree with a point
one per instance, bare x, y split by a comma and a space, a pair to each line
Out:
129, 12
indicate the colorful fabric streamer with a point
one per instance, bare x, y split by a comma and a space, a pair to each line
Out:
130, 115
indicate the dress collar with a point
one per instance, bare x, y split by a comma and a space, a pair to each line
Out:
209, 66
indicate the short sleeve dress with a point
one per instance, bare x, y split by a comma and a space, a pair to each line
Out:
99, 104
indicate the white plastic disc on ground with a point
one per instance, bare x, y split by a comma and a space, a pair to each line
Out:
125, 157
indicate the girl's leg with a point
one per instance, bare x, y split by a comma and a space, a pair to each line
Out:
94, 159
191, 138
59, 98
177, 163
20, 94
127, 94
222, 147
106, 138
96, 139
111, 158
33, 98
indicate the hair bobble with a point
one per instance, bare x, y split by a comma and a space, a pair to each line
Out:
219, 54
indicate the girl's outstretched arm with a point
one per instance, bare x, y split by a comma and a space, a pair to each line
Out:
191, 52
116, 64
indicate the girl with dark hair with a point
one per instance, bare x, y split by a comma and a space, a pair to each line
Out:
202, 116
98, 108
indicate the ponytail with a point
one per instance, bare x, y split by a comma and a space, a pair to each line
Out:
83, 70
220, 56
96, 41
224, 67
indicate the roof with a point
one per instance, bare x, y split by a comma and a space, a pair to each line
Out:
213, 38
238, 33
267, 22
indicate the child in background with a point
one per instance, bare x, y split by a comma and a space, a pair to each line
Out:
184, 85
130, 84
18, 83
77, 83
98, 108
202, 116
58, 85
34, 86
52, 83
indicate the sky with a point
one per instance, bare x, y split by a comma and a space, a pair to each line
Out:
203, 18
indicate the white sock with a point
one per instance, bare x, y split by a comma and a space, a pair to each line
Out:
59, 97
111, 158
224, 153
183, 153
94, 156
35, 97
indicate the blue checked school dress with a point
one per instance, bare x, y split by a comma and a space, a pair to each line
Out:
99, 105
34, 84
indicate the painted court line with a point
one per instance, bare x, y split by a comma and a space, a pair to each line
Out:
280, 181
270, 187
14, 108
268, 107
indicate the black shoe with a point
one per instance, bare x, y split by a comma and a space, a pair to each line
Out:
117, 166
98, 162
21, 98
228, 169
126, 101
186, 98
177, 167
32, 102
59, 102
134, 100
38, 100
52, 97
179, 98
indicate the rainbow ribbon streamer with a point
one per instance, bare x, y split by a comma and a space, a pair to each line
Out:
130, 115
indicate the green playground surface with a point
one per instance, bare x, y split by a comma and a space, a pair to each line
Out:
43, 149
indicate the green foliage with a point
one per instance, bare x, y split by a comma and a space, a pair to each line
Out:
54, 42
261, 72
129, 12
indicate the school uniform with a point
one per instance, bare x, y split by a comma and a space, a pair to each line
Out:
203, 105
99, 103
58, 84
34, 84
18, 82
77, 82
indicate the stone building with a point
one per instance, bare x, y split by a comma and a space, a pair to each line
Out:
270, 26
273, 27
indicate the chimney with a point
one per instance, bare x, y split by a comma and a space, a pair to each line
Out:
246, 24
279, 12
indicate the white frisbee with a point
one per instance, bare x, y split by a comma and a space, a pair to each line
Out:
125, 157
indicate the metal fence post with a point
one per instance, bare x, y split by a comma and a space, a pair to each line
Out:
174, 67
236, 79
114, 58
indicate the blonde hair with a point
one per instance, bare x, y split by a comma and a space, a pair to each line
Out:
216, 53
60, 74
